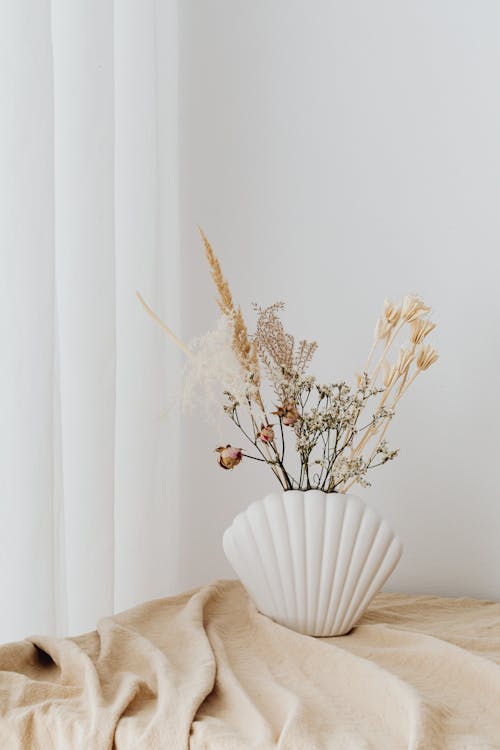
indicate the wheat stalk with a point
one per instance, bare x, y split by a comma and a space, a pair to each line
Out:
243, 347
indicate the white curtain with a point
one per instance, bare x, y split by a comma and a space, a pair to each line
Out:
88, 214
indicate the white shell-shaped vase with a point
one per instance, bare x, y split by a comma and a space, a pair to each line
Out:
312, 561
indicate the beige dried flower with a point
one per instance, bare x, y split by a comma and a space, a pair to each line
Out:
413, 308
382, 329
426, 357
404, 361
420, 329
392, 312
391, 374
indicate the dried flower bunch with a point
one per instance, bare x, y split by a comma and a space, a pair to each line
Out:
338, 430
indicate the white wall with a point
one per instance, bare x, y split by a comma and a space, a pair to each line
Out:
335, 153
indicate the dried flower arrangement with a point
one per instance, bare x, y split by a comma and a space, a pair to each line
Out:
333, 451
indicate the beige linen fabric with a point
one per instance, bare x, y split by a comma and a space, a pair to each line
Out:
205, 670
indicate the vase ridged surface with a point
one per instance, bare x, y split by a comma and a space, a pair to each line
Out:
310, 560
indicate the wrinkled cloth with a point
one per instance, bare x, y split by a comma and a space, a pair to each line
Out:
206, 670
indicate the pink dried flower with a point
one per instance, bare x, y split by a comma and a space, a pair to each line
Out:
229, 457
291, 416
266, 433
288, 413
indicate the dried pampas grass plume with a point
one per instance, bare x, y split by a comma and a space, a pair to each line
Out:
243, 347
225, 300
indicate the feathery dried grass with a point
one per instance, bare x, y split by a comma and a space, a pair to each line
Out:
276, 347
243, 346
225, 300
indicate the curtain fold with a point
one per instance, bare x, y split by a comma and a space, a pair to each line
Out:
146, 259
26, 320
82, 34
89, 213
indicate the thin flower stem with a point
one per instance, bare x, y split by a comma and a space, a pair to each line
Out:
254, 458
371, 353
350, 433
403, 391
286, 479
275, 464
282, 440
372, 431
265, 448
265, 459
385, 427
386, 349
374, 466
164, 327
328, 477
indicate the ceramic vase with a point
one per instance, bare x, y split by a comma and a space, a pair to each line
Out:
312, 561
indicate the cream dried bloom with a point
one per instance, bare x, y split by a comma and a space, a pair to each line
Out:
413, 308
382, 329
391, 374
420, 329
426, 357
392, 312
404, 361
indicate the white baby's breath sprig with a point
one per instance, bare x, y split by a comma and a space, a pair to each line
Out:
213, 367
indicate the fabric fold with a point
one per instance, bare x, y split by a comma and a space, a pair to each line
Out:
206, 670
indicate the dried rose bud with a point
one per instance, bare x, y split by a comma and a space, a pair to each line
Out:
266, 433
288, 413
291, 415
229, 457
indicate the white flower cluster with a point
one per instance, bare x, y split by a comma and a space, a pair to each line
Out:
346, 469
384, 454
212, 365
